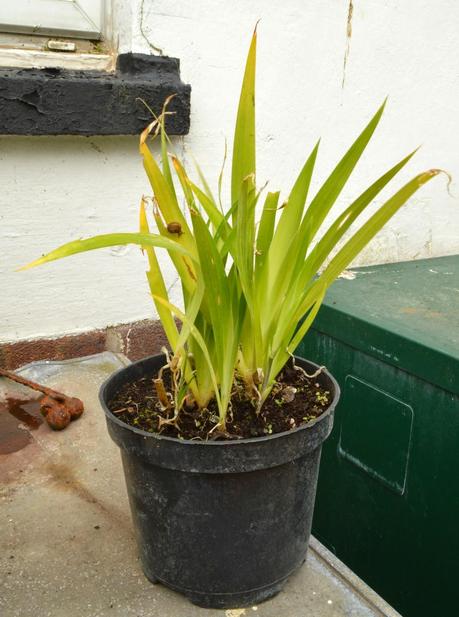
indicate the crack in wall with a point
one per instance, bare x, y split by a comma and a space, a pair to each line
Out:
143, 33
347, 50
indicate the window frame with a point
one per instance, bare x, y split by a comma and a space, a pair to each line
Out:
21, 50
64, 18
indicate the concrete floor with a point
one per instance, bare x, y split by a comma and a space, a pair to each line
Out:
66, 543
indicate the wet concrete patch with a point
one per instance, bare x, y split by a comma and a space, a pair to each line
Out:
17, 418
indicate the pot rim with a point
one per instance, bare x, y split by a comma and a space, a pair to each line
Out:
216, 443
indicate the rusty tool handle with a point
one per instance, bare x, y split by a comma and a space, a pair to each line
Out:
31, 384
57, 408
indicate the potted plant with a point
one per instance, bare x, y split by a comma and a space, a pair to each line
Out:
221, 437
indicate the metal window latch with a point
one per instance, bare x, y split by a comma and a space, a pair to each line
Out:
54, 45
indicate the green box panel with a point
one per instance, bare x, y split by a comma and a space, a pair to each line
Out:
388, 493
405, 546
371, 411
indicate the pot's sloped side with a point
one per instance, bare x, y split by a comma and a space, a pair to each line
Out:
224, 523
223, 540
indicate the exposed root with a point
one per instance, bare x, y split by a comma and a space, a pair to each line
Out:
316, 374
168, 421
218, 427
256, 391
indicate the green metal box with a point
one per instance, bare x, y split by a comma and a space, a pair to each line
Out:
388, 494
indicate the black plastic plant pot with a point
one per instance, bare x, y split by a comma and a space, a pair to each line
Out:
223, 522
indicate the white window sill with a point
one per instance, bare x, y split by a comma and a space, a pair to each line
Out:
28, 58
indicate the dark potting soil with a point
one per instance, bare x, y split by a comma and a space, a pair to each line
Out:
137, 404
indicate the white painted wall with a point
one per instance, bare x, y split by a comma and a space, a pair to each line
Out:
57, 189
